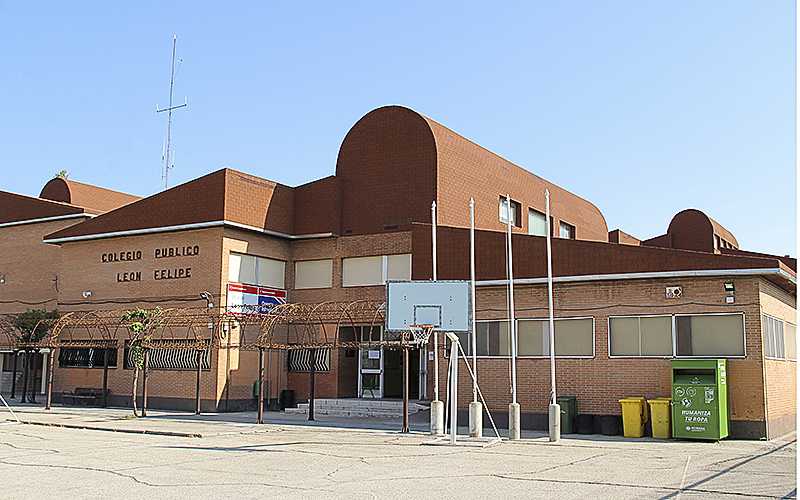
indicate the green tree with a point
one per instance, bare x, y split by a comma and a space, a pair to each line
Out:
34, 324
141, 323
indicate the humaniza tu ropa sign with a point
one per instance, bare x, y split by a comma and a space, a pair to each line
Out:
249, 299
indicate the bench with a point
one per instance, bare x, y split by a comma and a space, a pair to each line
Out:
84, 396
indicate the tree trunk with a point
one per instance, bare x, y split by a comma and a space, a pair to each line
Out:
135, 391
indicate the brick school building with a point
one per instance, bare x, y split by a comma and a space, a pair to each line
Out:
248, 240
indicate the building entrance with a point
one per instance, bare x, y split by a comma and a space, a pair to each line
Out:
381, 373
393, 374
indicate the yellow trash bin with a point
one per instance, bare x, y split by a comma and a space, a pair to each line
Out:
646, 411
660, 412
634, 415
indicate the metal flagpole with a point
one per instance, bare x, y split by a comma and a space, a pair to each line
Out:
513, 408
554, 410
437, 407
435, 333
475, 408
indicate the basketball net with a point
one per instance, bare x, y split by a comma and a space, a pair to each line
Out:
420, 334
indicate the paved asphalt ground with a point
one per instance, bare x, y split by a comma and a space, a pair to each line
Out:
242, 460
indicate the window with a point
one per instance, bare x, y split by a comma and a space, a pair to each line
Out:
710, 335
774, 341
313, 274
574, 337
537, 225
492, 338
254, 270
369, 271
362, 271
172, 359
716, 242
516, 212
700, 335
398, 267
85, 358
640, 336
791, 341
566, 231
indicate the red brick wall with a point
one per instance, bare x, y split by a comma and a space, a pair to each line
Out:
692, 229
160, 384
570, 257
330, 384
623, 238
82, 268
387, 171
258, 202
465, 169
394, 162
30, 266
317, 207
600, 382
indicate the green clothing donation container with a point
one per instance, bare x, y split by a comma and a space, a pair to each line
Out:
699, 399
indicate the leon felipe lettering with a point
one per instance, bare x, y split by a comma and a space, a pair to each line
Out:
129, 276
172, 274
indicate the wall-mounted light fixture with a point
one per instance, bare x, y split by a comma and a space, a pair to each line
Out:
86, 294
208, 298
730, 292
2, 279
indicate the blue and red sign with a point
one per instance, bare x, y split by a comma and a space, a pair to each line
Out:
249, 299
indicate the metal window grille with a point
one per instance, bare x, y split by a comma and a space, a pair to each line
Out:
172, 359
300, 360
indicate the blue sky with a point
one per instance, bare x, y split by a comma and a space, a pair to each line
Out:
643, 107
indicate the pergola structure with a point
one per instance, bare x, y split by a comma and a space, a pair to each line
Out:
283, 327
13, 337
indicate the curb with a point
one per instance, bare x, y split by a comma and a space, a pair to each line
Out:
107, 429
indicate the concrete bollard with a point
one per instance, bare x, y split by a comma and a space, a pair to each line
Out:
475, 419
513, 421
554, 414
437, 418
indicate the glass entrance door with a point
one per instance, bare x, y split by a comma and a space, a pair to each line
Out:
370, 364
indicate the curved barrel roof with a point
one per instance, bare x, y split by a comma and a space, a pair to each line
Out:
398, 160
94, 198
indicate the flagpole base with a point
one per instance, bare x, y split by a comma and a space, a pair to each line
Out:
475, 419
554, 414
513, 422
437, 418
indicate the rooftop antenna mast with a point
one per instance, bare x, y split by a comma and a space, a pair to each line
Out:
169, 109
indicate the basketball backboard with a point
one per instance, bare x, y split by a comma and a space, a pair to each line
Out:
446, 305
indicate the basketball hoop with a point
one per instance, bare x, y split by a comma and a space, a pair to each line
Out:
420, 334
